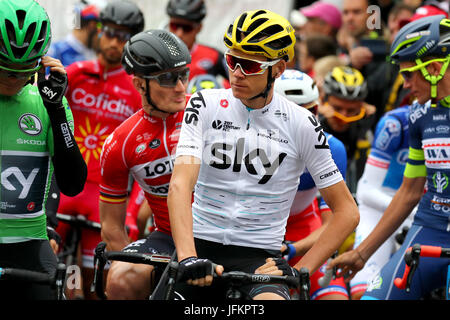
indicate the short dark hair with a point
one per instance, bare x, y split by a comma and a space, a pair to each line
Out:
398, 7
319, 46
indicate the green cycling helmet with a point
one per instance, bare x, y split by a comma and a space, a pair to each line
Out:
25, 32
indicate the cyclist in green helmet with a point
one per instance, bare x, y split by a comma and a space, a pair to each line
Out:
36, 140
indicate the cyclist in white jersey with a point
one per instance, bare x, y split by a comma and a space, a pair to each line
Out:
242, 151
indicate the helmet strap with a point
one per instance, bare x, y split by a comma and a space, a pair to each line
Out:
149, 100
270, 81
433, 80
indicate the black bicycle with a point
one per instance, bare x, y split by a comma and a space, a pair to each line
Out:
55, 282
101, 257
68, 254
234, 280
166, 269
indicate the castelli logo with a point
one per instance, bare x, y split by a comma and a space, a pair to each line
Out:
31, 206
224, 103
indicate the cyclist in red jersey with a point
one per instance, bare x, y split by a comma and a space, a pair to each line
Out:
144, 145
186, 22
101, 95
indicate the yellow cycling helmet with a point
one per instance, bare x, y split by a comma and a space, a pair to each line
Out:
345, 82
261, 32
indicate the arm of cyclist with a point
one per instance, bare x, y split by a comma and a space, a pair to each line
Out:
302, 246
369, 189
182, 182
404, 201
70, 168
112, 217
344, 220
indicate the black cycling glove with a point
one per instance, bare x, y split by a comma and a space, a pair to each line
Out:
52, 89
52, 234
284, 266
194, 268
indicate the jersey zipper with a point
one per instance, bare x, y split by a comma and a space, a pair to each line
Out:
165, 142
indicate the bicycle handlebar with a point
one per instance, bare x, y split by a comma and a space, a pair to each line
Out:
330, 274
239, 278
102, 256
78, 220
56, 281
412, 256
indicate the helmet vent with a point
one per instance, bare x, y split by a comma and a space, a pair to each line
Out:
277, 44
173, 47
10, 31
267, 32
21, 18
256, 24
259, 12
298, 92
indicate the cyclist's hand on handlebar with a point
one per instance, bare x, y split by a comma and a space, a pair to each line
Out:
348, 264
198, 272
277, 267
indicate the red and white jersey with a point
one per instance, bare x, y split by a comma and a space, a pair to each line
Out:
100, 100
144, 146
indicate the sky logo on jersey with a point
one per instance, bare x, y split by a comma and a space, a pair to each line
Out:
323, 144
223, 158
30, 124
192, 112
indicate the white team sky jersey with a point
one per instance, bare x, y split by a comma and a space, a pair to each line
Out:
251, 164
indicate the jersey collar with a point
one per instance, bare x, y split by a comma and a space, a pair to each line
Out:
445, 102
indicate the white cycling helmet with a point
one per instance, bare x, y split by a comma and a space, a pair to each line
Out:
297, 86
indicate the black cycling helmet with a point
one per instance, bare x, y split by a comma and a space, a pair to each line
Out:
154, 51
123, 13
192, 10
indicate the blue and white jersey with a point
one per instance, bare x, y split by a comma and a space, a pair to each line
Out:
430, 148
251, 162
391, 144
70, 50
383, 173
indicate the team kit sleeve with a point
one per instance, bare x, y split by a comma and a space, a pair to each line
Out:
114, 172
339, 155
190, 142
388, 136
314, 150
415, 165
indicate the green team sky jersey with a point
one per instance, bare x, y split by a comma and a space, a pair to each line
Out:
26, 147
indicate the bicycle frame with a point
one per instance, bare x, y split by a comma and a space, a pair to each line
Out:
56, 282
102, 256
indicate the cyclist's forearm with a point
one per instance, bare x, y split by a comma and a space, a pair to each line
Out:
179, 201
398, 210
302, 246
180, 213
70, 168
112, 218
342, 223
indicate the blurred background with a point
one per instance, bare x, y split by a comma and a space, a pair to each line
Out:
220, 13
